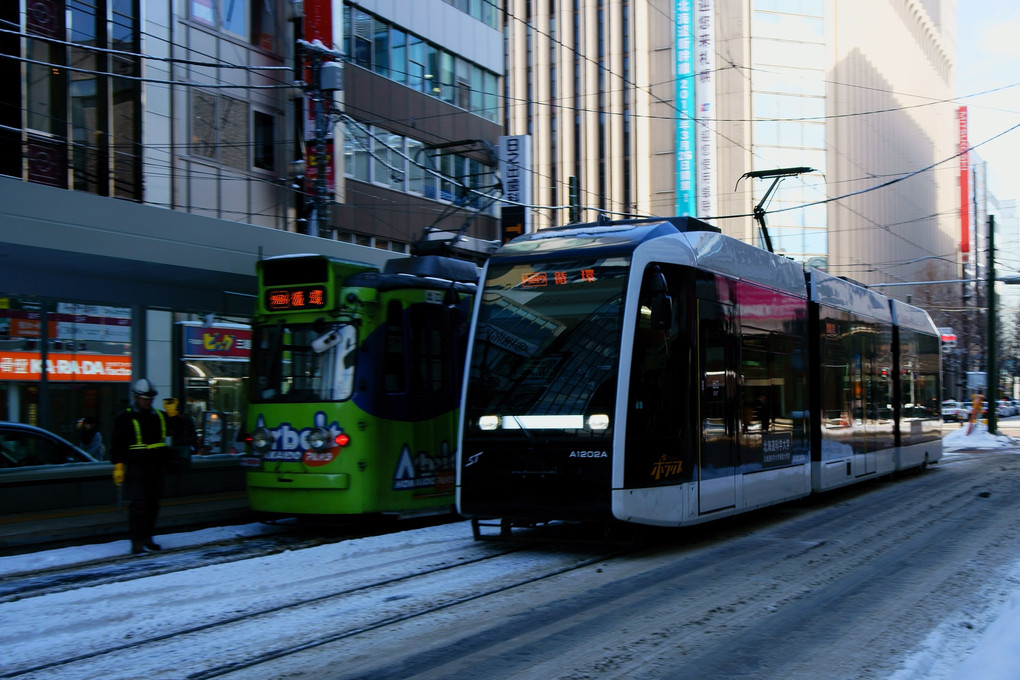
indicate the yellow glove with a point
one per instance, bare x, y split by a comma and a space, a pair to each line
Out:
118, 474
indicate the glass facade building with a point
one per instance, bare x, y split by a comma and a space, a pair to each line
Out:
788, 107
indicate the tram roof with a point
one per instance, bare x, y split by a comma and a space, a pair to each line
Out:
700, 244
624, 235
833, 291
914, 318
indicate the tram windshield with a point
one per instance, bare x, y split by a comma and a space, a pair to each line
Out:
547, 346
303, 363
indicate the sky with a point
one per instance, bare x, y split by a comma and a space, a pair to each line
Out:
106, 614
987, 58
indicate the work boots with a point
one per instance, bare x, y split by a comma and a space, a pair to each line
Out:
139, 547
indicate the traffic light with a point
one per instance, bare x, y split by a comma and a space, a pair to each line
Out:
511, 224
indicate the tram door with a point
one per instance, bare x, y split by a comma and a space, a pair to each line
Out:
717, 407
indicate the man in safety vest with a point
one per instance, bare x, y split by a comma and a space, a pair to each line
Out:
138, 449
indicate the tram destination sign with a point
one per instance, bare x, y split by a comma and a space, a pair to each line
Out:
295, 298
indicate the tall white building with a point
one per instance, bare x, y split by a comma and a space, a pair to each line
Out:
660, 106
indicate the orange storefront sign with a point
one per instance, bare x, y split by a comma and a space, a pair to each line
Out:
65, 367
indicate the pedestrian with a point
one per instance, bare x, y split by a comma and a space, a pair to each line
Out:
90, 437
138, 449
182, 427
182, 436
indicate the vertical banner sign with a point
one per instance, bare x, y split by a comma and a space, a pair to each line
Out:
704, 97
964, 184
685, 197
317, 27
515, 174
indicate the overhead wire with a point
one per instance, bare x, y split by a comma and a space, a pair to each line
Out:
900, 178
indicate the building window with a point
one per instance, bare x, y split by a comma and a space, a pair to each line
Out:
398, 56
415, 63
266, 24
230, 15
257, 20
81, 99
219, 129
375, 155
264, 147
363, 26
486, 11
424, 67
381, 49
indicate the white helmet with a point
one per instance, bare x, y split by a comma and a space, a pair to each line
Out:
144, 388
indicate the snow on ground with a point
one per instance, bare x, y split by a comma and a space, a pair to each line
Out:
968, 437
996, 656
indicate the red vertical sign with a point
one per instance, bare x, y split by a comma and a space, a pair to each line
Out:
318, 23
964, 184
318, 27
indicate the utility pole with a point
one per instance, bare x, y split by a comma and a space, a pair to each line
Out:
992, 377
326, 77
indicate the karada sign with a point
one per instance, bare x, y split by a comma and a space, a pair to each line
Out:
65, 367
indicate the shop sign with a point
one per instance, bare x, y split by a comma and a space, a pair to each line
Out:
65, 367
74, 323
216, 343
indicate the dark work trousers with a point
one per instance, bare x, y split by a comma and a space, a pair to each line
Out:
143, 489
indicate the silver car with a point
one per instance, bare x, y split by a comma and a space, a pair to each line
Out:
26, 445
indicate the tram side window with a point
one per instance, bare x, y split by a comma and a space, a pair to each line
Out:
394, 361
660, 389
428, 358
919, 365
786, 387
927, 388
835, 380
756, 414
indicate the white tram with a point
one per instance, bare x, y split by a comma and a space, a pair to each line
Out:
659, 372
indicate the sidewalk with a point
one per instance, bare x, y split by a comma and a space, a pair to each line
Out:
75, 526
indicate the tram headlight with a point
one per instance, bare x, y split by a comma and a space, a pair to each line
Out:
319, 439
488, 423
261, 440
598, 421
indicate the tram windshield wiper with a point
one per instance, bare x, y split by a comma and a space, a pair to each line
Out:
523, 429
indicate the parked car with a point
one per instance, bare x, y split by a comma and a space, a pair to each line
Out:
951, 410
26, 445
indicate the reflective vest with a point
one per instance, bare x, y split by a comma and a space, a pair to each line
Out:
138, 433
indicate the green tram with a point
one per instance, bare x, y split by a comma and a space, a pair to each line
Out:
355, 385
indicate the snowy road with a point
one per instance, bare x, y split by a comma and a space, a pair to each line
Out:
856, 584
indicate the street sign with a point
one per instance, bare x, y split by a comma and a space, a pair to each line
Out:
948, 338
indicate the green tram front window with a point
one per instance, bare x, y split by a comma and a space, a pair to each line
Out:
303, 363
547, 347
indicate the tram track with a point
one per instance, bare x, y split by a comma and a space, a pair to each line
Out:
385, 591
118, 568
844, 587
845, 590
841, 585
281, 653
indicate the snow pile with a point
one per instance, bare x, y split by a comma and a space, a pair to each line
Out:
976, 437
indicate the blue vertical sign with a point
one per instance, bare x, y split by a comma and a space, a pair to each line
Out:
685, 184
